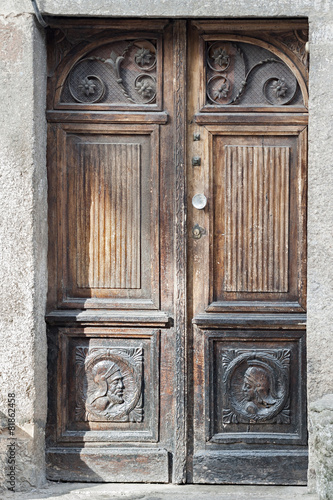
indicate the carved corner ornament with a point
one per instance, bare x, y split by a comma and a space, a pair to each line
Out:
256, 384
296, 41
109, 384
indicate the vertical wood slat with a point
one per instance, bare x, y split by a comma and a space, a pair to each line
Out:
108, 242
256, 218
181, 433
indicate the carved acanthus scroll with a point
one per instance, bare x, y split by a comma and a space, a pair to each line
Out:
245, 74
118, 72
295, 41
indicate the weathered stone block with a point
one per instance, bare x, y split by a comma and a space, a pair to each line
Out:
23, 246
321, 445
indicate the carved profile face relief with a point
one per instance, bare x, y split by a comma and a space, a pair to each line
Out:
108, 378
256, 385
109, 382
257, 389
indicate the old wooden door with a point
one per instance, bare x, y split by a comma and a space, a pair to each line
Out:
153, 376
246, 259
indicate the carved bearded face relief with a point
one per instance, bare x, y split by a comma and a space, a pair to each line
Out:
109, 384
109, 380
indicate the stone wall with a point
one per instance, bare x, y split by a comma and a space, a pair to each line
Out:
321, 442
23, 227
23, 275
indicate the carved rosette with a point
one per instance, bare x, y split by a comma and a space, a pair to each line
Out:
256, 384
109, 384
225, 65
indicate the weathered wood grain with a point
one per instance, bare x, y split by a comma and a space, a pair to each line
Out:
246, 288
117, 465
251, 467
256, 218
108, 200
121, 183
180, 436
112, 202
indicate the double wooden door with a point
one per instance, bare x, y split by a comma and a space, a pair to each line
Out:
177, 217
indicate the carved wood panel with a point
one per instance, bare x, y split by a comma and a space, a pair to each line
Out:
251, 69
257, 393
119, 72
107, 385
111, 251
247, 155
108, 234
248, 75
94, 68
122, 97
257, 385
257, 218
107, 223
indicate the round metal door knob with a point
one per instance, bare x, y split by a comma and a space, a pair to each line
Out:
199, 201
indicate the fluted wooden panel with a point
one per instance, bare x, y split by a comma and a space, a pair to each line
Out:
108, 216
256, 218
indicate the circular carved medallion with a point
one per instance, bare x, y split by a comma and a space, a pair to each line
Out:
145, 55
110, 384
145, 85
279, 92
257, 386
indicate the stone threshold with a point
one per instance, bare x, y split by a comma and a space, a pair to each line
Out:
98, 491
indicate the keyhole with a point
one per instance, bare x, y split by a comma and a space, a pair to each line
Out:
197, 232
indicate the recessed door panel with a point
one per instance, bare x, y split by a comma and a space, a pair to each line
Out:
109, 229
257, 249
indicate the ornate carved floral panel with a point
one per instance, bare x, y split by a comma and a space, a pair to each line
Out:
106, 70
243, 74
251, 70
119, 72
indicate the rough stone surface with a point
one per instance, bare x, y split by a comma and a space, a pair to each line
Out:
23, 236
320, 213
321, 420
23, 274
66, 491
320, 223
185, 8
